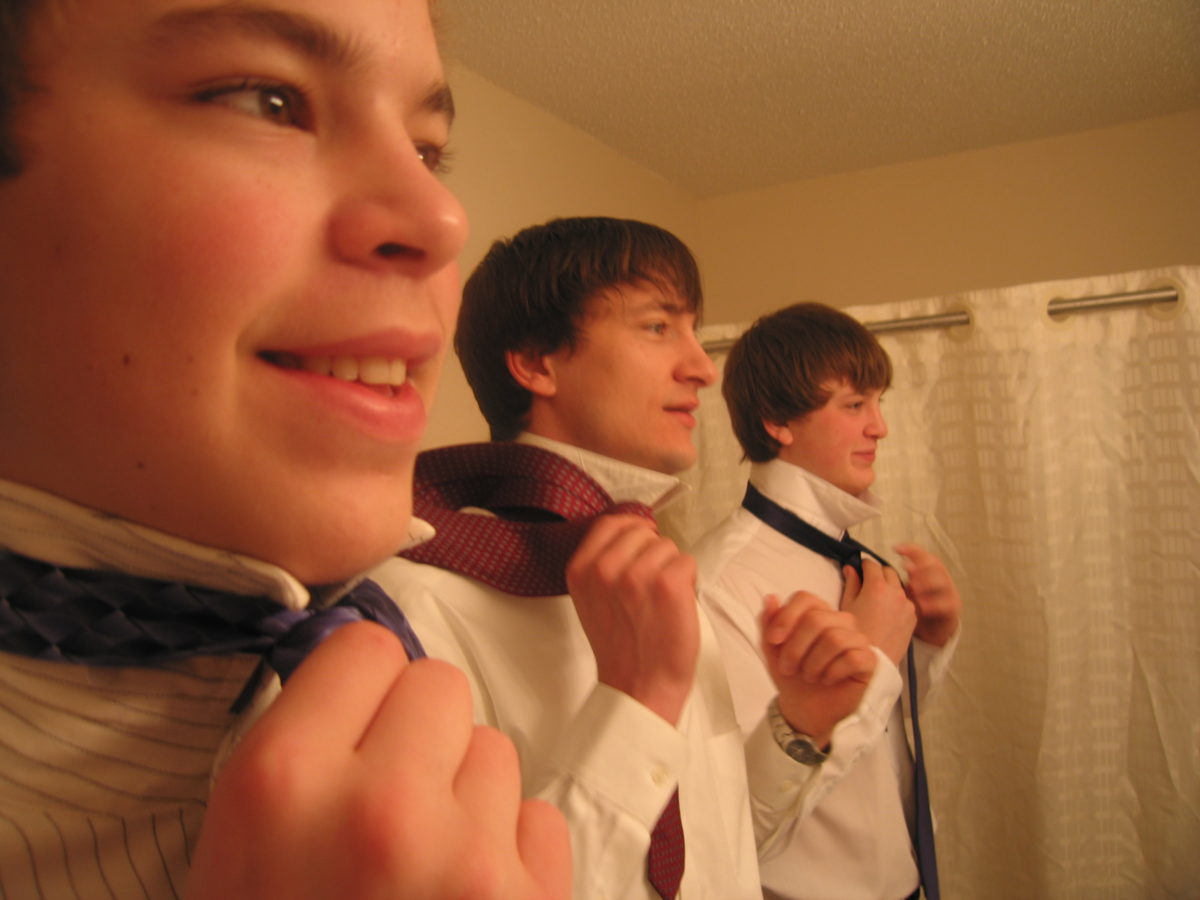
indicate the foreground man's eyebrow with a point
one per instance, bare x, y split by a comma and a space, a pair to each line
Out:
302, 33
439, 100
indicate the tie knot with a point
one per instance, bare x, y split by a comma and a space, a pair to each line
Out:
518, 483
366, 602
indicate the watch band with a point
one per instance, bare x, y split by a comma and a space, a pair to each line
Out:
795, 744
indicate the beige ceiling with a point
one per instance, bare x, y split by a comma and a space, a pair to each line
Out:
724, 95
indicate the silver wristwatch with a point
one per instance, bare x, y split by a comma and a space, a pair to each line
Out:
799, 747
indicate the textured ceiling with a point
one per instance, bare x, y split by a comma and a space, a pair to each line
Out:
724, 95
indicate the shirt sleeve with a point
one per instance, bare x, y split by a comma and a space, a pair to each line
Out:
783, 790
610, 766
611, 775
932, 662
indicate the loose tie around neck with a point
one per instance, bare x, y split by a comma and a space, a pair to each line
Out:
520, 484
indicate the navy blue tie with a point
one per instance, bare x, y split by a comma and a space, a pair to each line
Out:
848, 552
115, 619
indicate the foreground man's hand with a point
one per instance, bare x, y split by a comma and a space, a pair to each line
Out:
367, 779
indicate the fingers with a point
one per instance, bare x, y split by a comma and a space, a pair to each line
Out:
853, 663
624, 569
874, 577
851, 584
834, 653
927, 574
488, 777
922, 566
369, 780
807, 638
338, 689
771, 605
781, 622
544, 844
620, 548
914, 554
876, 573
836, 639
932, 590
612, 531
425, 720
618, 540
634, 593
624, 562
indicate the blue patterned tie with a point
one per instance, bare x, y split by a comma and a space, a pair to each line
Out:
115, 619
848, 552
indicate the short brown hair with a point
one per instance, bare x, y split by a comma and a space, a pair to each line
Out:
15, 86
529, 293
778, 369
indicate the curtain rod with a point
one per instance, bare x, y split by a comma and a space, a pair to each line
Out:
1057, 306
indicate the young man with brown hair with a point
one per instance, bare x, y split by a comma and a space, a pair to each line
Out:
227, 281
578, 339
803, 386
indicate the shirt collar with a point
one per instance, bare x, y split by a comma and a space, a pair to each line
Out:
813, 499
57, 531
623, 482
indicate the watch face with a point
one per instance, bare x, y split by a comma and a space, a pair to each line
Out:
804, 752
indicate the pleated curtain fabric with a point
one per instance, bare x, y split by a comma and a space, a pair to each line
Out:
1051, 462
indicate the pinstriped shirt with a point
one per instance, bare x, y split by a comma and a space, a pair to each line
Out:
105, 771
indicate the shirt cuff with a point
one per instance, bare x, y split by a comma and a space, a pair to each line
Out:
623, 751
932, 662
787, 787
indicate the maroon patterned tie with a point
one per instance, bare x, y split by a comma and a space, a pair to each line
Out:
544, 506
520, 483
664, 862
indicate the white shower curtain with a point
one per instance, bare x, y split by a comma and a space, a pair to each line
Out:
1055, 466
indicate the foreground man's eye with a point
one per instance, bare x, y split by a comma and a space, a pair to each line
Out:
277, 103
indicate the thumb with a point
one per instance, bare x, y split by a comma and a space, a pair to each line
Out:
851, 586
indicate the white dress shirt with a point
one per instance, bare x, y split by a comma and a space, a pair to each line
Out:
606, 761
105, 771
851, 840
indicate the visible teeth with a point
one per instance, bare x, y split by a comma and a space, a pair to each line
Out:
377, 370
374, 370
345, 368
368, 370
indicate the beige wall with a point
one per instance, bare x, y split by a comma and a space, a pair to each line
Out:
1091, 203
1097, 202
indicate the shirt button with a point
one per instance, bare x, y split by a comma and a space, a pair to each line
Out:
660, 777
